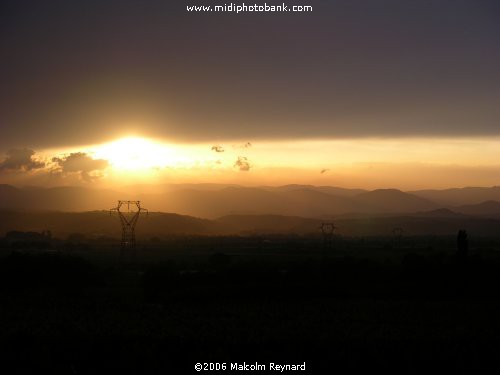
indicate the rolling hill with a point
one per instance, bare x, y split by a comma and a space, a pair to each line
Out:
213, 200
97, 224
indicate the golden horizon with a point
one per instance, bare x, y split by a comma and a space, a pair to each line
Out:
405, 163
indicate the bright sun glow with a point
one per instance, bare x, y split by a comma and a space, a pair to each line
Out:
368, 163
135, 154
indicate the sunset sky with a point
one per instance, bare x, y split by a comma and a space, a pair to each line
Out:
356, 93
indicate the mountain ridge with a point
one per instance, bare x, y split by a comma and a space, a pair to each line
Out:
214, 201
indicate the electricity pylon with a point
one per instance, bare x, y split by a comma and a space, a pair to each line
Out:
128, 219
397, 234
327, 229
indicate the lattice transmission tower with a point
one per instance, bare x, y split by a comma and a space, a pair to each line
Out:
128, 218
397, 234
327, 229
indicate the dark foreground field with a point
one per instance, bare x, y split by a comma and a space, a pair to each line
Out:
366, 305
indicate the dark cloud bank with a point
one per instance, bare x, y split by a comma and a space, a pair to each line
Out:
87, 71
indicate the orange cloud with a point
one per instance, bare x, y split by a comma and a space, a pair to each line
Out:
20, 160
81, 163
243, 164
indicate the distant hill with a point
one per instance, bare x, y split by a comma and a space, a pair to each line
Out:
100, 224
392, 200
217, 200
262, 224
332, 190
462, 196
488, 208
207, 201
57, 199
440, 212
229, 200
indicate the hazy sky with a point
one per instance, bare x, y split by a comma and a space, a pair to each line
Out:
86, 72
